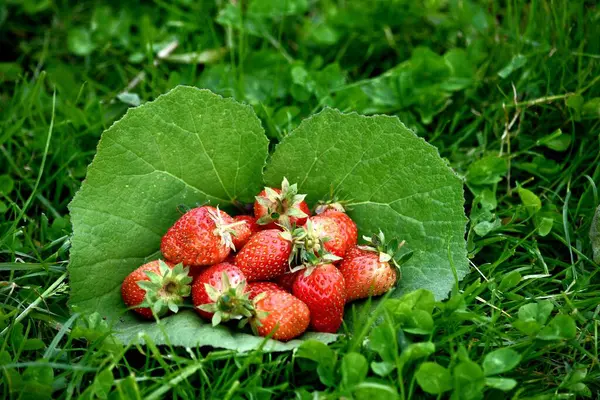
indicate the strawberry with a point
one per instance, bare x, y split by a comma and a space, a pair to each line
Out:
331, 234
371, 270
201, 237
281, 206
266, 255
323, 290
230, 259
314, 241
219, 294
280, 313
366, 275
255, 288
241, 233
346, 225
336, 211
156, 286
251, 221
327, 235
286, 281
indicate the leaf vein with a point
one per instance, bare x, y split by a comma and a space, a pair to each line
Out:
212, 163
154, 169
118, 217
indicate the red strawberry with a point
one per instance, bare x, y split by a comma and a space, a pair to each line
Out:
156, 284
241, 233
255, 288
279, 312
366, 275
284, 206
266, 255
230, 259
336, 211
323, 290
371, 271
346, 225
286, 281
332, 235
353, 252
219, 293
254, 227
202, 236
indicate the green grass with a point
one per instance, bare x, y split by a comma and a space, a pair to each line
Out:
528, 71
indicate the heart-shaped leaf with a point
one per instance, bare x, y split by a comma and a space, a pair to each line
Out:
395, 182
191, 146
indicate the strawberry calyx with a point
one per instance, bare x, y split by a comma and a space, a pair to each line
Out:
297, 237
388, 251
165, 291
281, 206
234, 303
334, 204
309, 246
257, 314
228, 303
313, 261
223, 230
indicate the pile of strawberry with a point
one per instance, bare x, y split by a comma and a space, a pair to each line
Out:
292, 269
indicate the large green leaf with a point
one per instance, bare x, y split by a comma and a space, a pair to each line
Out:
395, 181
191, 146
187, 329
188, 146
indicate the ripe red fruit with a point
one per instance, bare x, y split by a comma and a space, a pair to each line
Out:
219, 293
279, 312
346, 226
286, 281
255, 288
323, 290
202, 236
336, 211
230, 259
240, 234
372, 270
156, 285
332, 234
281, 206
266, 255
366, 275
250, 221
